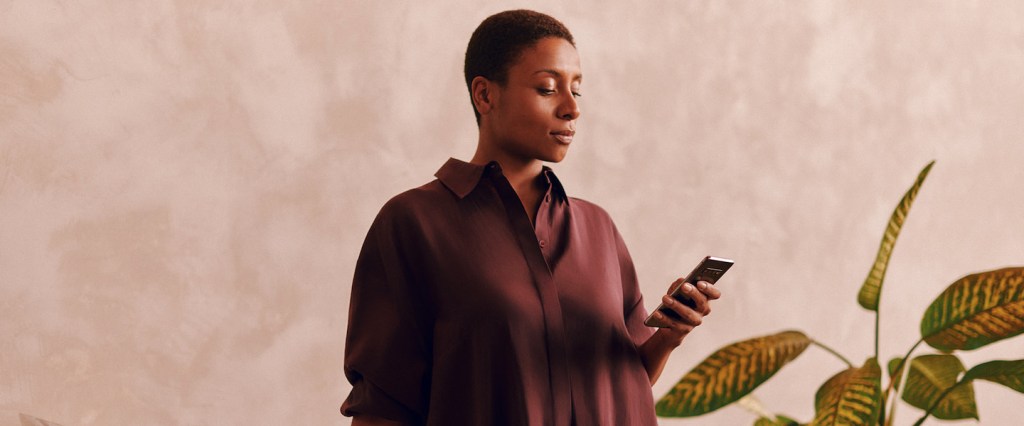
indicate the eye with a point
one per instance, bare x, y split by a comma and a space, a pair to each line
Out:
545, 92
577, 94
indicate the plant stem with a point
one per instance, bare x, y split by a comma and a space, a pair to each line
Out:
878, 319
892, 411
892, 382
899, 367
936, 403
832, 351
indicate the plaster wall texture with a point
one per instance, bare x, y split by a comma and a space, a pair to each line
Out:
185, 185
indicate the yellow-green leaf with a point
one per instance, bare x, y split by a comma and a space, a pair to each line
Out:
930, 378
1006, 373
786, 420
852, 397
894, 375
778, 421
976, 310
730, 373
871, 290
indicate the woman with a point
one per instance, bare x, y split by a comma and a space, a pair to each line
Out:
488, 296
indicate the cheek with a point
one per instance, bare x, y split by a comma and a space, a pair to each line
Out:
527, 114
536, 112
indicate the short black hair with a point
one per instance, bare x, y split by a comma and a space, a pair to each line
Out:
501, 38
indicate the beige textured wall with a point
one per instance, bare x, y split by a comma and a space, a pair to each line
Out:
184, 185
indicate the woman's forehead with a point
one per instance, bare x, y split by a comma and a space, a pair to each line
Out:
552, 57
560, 74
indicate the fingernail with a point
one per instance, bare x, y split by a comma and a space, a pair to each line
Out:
703, 285
688, 287
669, 300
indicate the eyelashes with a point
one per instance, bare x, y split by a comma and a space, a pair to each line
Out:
547, 92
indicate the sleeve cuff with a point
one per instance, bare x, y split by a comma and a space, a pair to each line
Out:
368, 399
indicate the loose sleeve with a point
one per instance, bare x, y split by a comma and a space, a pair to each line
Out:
633, 300
386, 348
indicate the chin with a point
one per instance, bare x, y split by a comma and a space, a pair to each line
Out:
552, 158
555, 157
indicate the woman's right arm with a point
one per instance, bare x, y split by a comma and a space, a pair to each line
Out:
386, 347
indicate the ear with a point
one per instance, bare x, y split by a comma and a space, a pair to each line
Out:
484, 94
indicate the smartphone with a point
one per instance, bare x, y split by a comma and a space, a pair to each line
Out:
710, 270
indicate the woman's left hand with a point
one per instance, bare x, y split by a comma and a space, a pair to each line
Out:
690, 317
655, 351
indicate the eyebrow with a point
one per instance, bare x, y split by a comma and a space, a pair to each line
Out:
558, 74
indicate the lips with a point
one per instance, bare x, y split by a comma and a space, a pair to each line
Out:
564, 136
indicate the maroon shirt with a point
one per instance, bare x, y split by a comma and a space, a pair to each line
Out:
462, 312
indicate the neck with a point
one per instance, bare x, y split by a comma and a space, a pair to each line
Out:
521, 173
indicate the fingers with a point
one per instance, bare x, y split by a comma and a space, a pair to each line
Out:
682, 327
709, 290
699, 299
675, 284
688, 315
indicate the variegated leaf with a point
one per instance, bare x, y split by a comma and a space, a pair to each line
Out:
871, 290
730, 373
931, 377
894, 375
1006, 373
852, 397
786, 420
976, 310
778, 421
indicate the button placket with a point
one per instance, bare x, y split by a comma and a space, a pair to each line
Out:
561, 383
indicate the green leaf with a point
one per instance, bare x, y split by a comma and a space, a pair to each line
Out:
871, 290
730, 373
778, 421
896, 376
852, 397
1006, 373
930, 378
786, 420
976, 310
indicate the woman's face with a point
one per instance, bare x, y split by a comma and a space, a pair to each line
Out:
534, 116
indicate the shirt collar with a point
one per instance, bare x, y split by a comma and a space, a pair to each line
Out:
461, 177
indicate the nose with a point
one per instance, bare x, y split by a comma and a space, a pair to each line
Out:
569, 108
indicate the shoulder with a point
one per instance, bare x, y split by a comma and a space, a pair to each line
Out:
592, 217
428, 196
599, 228
414, 205
590, 211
